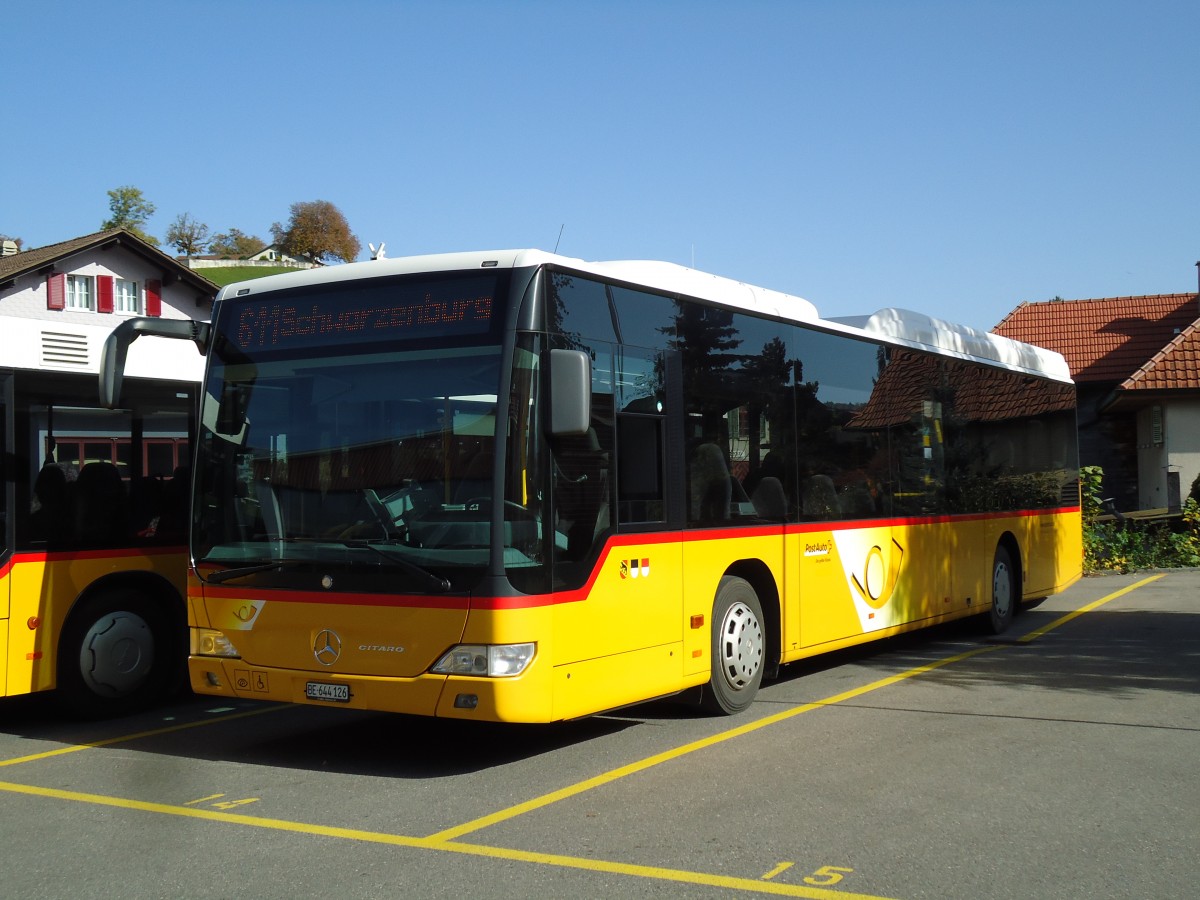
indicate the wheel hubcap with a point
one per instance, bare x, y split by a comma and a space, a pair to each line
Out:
1001, 591
117, 654
741, 646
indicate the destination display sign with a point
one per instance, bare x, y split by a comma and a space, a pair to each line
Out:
362, 312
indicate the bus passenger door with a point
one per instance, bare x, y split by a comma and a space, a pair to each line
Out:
610, 490
618, 638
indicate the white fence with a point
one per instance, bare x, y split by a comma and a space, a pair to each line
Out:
230, 263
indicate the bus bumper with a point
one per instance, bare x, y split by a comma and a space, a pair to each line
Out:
447, 696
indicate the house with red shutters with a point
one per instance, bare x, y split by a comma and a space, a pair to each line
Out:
98, 279
1136, 366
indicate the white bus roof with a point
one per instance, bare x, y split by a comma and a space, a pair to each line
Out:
894, 326
43, 346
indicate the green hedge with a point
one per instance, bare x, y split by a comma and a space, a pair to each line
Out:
1129, 545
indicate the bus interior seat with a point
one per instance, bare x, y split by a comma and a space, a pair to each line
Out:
581, 489
476, 483
99, 503
50, 520
711, 484
818, 498
173, 517
769, 499
857, 501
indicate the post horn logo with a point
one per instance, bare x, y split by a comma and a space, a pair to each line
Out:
879, 575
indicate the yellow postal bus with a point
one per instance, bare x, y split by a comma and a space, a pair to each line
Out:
519, 487
94, 522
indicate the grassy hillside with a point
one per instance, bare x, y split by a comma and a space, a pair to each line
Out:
224, 276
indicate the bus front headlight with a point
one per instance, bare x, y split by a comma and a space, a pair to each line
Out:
210, 642
485, 660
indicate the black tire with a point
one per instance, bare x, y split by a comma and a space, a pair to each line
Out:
738, 648
1005, 592
117, 655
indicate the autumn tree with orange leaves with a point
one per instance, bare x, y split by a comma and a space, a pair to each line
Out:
317, 229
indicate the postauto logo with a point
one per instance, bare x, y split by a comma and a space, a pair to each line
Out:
871, 560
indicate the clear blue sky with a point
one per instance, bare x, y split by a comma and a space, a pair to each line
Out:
951, 157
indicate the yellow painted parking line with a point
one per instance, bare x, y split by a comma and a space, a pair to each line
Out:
681, 876
125, 738
445, 841
702, 744
1095, 604
657, 873
669, 755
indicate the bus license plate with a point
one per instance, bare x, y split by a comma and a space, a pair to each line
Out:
319, 690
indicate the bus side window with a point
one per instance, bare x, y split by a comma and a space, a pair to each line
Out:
640, 469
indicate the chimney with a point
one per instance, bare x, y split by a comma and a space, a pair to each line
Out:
10, 248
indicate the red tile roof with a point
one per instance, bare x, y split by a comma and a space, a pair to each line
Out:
971, 393
1175, 366
1106, 339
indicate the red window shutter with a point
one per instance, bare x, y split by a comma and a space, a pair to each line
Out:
104, 293
56, 292
153, 297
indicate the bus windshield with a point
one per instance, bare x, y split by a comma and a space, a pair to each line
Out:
346, 463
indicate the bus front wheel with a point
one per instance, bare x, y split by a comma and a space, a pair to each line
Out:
738, 648
114, 655
1004, 592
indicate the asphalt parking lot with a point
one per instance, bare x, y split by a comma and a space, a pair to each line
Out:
1057, 761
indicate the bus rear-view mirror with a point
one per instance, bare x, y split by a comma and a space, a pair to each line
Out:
570, 378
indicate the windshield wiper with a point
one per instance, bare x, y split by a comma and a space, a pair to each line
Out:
227, 574
432, 582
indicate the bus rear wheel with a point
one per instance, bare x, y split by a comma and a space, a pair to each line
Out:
1004, 592
114, 657
738, 648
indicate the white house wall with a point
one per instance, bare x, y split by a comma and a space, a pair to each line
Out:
1179, 452
1182, 440
27, 298
1152, 461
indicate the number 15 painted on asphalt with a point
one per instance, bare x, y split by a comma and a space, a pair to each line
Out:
827, 875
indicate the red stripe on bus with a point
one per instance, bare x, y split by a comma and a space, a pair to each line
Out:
333, 598
44, 556
612, 545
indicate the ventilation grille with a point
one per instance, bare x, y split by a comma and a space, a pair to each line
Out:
59, 349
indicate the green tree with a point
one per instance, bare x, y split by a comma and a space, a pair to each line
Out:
129, 210
187, 235
235, 244
317, 229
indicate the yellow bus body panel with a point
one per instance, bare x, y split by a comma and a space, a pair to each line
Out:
707, 558
43, 588
377, 638
861, 583
4, 643
641, 627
